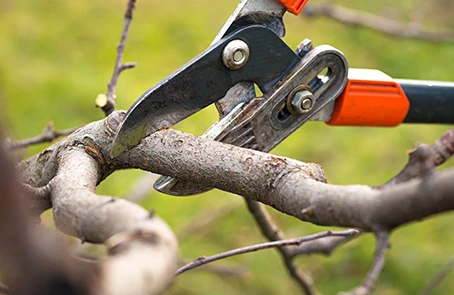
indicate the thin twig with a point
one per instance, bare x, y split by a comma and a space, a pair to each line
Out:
107, 101
424, 158
298, 241
272, 232
379, 262
49, 134
438, 278
325, 246
380, 24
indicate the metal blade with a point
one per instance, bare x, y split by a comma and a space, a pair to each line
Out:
203, 81
268, 13
258, 12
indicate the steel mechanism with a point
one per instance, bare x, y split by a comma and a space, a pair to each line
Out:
205, 80
263, 122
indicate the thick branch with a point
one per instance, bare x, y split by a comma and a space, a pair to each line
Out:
380, 24
32, 260
290, 186
143, 250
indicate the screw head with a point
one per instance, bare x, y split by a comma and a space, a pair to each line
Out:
235, 54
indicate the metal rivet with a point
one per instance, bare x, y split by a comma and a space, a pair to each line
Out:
235, 54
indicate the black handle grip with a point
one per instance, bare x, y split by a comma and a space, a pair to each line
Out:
430, 102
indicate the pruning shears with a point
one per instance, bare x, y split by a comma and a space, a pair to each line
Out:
309, 83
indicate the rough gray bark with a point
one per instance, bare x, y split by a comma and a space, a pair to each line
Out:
143, 249
290, 186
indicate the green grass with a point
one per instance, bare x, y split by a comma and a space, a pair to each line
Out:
56, 56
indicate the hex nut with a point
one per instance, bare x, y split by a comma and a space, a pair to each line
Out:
300, 101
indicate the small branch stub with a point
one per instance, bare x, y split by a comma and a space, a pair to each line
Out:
101, 100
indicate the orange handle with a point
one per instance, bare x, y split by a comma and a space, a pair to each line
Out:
371, 98
294, 6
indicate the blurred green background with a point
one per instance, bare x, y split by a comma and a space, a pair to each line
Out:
56, 56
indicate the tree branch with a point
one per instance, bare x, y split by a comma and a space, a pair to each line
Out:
49, 134
76, 164
324, 246
377, 23
379, 262
38, 199
32, 260
298, 241
424, 158
107, 101
143, 250
290, 186
272, 232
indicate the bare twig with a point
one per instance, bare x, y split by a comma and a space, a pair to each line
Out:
380, 24
424, 158
107, 102
272, 232
438, 278
379, 262
324, 246
49, 134
298, 241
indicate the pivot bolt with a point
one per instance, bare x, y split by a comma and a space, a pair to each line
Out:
300, 101
235, 54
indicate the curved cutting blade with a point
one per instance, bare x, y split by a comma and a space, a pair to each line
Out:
201, 82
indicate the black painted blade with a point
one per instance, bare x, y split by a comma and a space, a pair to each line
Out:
203, 81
